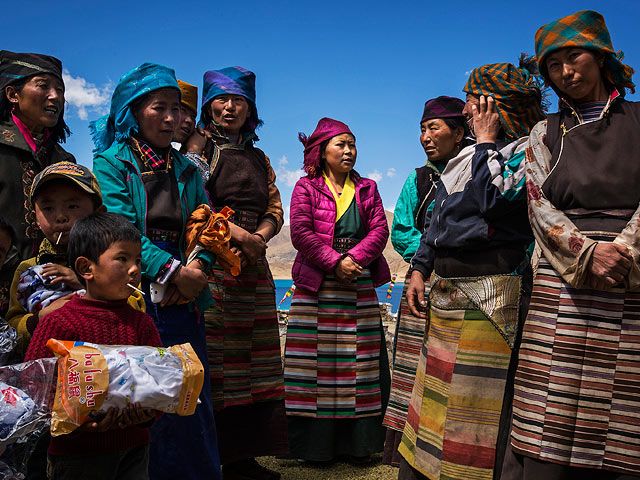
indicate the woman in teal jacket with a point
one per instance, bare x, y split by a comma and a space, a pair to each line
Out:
443, 134
157, 188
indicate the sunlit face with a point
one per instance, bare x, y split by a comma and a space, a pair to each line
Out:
117, 266
576, 73
58, 205
158, 117
39, 103
440, 143
230, 111
340, 153
468, 112
187, 125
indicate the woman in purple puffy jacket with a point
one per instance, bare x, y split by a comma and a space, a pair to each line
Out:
336, 367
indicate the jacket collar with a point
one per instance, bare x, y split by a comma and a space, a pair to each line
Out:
181, 165
567, 104
319, 183
11, 135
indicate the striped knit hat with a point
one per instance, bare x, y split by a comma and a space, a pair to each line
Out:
584, 29
516, 92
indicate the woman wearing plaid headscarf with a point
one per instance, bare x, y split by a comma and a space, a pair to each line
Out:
577, 388
475, 254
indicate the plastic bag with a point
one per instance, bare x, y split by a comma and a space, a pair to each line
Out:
93, 378
26, 396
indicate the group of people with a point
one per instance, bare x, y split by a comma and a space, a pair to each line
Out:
515, 347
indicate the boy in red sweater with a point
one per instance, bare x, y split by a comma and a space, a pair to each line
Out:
105, 252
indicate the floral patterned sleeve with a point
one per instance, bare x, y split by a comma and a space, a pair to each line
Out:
562, 244
630, 238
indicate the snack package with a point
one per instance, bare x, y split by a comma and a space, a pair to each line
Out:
93, 378
36, 292
26, 395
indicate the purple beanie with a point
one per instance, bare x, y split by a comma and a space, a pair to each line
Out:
327, 128
443, 107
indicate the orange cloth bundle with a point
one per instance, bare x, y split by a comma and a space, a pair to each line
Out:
211, 231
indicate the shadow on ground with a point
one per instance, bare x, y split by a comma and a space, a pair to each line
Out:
292, 470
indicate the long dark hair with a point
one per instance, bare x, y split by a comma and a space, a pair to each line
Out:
59, 132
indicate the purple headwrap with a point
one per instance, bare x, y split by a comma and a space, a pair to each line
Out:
443, 107
327, 128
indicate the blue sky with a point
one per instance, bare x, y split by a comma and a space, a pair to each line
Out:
370, 64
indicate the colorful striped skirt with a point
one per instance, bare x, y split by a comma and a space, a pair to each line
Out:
408, 342
457, 399
243, 342
577, 388
332, 352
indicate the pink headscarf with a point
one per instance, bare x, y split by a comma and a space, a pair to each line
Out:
327, 128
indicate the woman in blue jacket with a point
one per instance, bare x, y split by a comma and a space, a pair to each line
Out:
157, 188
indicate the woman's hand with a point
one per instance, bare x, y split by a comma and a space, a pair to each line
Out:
415, 295
609, 265
189, 281
486, 121
347, 270
240, 255
254, 248
62, 274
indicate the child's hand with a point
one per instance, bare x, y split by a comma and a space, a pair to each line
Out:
134, 414
62, 274
108, 422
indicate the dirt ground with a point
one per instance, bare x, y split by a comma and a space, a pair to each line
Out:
292, 470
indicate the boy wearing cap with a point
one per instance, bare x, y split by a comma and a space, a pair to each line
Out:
60, 194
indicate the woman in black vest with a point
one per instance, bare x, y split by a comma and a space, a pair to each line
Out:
443, 131
577, 387
242, 327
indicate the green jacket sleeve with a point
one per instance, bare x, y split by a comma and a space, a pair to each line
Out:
405, 237
117, 183
202, 198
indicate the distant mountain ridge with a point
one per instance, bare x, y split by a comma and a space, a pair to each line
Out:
281, 254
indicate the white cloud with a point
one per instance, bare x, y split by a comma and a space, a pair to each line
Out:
283, 160
86, 97
288, 177
376, 175
391, 172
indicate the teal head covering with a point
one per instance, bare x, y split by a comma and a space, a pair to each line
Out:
120, 123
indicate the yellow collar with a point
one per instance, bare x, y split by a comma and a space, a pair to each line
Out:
343, 201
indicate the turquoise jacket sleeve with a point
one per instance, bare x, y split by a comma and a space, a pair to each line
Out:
201, 198
405, 236
122, 192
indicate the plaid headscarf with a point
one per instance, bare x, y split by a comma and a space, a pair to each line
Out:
516, 92
584, 29
16, 66
120, 124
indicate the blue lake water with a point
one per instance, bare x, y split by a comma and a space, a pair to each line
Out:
283, 285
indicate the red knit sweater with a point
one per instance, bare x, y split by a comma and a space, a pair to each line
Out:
105, 323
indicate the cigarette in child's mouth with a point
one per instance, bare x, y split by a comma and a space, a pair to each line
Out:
135, 288
59, 237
